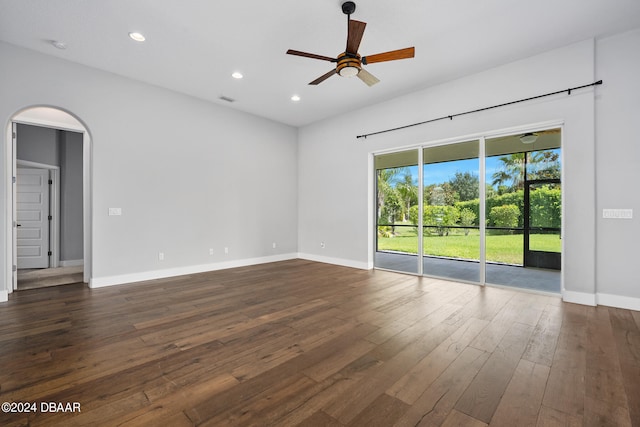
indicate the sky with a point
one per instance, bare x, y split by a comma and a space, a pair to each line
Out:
437, 173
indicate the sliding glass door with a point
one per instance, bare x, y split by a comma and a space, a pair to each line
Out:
451, 188
483, 211
523, 208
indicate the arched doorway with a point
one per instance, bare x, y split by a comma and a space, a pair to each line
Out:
59, 122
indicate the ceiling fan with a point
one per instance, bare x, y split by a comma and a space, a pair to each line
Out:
349, 63
527, 137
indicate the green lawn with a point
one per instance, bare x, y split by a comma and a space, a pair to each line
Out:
501, 248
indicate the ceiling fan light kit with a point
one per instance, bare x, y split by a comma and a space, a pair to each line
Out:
349, 63
348, 66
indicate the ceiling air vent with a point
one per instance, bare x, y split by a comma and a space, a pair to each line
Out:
226, 98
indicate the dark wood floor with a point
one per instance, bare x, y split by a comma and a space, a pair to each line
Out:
303, 343
44, 277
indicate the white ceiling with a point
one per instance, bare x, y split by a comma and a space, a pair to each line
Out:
193, 46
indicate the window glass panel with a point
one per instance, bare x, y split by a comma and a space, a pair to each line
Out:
522, 206
396, 197
451, 202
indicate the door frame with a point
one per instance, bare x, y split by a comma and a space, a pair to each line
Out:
538, 259
482, 136
74, 124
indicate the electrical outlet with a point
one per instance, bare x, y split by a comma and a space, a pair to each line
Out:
160, 256
115, 211
274, 245
226, 250
210, 251
322, 245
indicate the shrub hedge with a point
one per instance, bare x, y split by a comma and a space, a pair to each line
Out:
546, 209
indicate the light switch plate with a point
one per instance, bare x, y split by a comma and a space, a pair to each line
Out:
115, 211
617, 213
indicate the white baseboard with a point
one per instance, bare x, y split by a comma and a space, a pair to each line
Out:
99, 282
618, 301
579, 298
4, 296
72, 263
335, 261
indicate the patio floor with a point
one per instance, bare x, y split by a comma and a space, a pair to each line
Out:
469, 271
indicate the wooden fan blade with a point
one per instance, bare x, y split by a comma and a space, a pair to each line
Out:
405, 53
354, 35
323, 77
367, 77
310, 55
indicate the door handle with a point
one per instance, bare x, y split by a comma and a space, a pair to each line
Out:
18, 225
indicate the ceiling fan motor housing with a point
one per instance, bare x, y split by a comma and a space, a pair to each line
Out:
348, 65
348, 7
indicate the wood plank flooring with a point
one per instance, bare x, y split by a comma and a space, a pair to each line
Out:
310, 344
44, 277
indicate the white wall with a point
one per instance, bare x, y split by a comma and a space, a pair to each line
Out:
38, 144
617, 165
334, 175
189, 175
71, 203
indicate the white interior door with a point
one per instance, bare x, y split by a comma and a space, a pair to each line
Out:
32, 217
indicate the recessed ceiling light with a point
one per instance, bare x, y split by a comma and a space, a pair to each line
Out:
295, 98
237, 75
137, 37
58, 44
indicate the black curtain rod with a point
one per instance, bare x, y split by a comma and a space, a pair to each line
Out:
599, 82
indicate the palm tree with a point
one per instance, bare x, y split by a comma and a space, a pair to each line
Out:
391, 202
408, 192
542, 164
511, 172
386, 179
